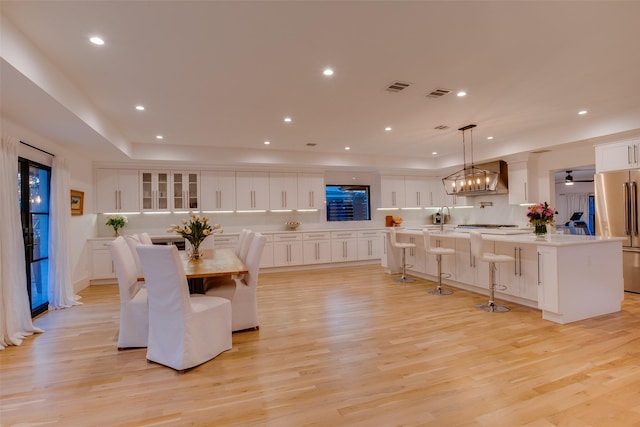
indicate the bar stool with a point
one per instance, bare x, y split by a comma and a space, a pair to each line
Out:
438, 252
404, 247
492, 259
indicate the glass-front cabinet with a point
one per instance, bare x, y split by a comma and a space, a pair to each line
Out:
185, 190
154, 191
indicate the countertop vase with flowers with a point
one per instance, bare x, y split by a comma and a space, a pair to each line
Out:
117, 222
540, 216
195, 230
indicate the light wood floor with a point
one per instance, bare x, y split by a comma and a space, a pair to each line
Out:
340, 347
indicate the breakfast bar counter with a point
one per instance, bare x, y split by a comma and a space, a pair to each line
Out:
567, 277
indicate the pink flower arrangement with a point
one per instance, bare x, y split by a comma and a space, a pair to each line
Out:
541, 214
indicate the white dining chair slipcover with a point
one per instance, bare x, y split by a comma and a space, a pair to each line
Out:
243, 291
134, 312
145, 239
241, 237
133, 240
184, 330
246, 244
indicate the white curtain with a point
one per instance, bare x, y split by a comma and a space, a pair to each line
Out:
15, 311
60, 285
570, 203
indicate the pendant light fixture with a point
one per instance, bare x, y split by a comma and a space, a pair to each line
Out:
470, 180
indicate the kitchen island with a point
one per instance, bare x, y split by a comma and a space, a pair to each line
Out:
567, 277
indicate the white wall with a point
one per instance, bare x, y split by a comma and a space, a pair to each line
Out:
81, 178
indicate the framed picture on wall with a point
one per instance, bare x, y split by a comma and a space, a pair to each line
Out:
77, 202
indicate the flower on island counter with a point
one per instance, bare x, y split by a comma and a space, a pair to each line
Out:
541, 214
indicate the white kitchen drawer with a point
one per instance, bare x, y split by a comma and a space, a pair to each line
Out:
369, 234
288, 237
344, 234
320, 235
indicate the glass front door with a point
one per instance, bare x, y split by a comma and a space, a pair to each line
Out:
33, 196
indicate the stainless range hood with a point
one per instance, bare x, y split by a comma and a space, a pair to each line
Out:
479, 180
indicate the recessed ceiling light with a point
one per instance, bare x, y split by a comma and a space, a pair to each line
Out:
489, 137
159, 137
347, 148
434, 153
140, 107
582, 112
328, 72
267, 143
96, 40
388, 128
288, 119
461, 94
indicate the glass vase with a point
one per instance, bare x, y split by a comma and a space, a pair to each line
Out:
195, 253
540, 230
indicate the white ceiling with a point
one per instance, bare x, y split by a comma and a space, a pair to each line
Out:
223, 75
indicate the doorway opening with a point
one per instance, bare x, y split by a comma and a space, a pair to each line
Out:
34, 181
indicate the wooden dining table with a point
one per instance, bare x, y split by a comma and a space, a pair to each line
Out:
222, 262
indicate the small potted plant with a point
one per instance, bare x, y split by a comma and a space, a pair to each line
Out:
117, 222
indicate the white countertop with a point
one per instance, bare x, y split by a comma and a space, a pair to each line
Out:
528, 237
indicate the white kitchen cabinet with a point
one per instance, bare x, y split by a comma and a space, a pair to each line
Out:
437, 195
217, 191
252, 191
618, 156
225, 241
547, 279
522, 184
369, 244
283, 191
344, 246
185, 193
101, 261
418, 192
267, 252
154, 191
519, 276
311, 191
316, 247
287, 249
117, 190
448, 262
469, 270
392, 192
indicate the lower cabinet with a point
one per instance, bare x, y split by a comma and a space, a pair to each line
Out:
267, 253
316, 247
225, 241
520, 276
547, 279
101, 261
287, 249
469, 270
344, 246
369, 245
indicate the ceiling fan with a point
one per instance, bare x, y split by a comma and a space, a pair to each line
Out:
569, 180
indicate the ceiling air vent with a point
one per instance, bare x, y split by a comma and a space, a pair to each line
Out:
441, 127
397, 86
311, 144
437, 93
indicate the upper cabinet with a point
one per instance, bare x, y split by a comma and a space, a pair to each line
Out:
311, 191
392, 192
117, 190
154, 188
186, 190
522, 185
252, 191
218, 191
283, 191
418, 192
618, 156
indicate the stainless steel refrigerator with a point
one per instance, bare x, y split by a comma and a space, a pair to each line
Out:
617, 212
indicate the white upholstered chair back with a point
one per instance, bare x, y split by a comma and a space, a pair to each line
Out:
145, 239
134, 312
254, 255
184, 330
133, 240
241, 237
246, 245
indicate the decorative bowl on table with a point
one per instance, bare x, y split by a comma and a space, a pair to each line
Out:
292, 225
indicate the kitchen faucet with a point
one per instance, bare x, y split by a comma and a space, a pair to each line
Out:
444, 217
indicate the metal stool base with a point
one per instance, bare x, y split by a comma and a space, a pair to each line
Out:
403, 280
492, 307
439, 291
